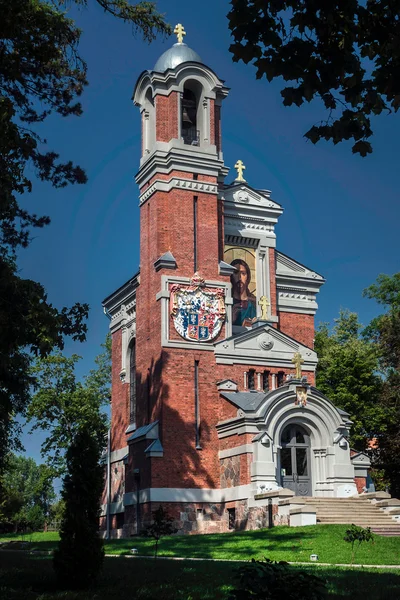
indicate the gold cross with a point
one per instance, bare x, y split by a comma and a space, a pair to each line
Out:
264, 303
180, 32
297, 361
240, 168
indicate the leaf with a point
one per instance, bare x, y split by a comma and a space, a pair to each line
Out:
362, 147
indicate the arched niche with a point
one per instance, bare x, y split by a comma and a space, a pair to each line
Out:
149, 122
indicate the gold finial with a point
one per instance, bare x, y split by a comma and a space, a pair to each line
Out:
297, 361
240, 168
180, 32
264, 303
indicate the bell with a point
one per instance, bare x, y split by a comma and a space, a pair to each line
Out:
186, 120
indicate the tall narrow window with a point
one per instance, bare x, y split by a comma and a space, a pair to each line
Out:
197, 404
281, 378
251, 379
132, 379
265, 381
194, 234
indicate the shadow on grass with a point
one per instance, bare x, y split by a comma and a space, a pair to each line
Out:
27, 578
240, 545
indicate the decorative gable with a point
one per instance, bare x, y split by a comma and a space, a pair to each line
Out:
250, 213
264, 346
297, 286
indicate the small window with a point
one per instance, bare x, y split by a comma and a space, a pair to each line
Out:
265, 381
199, 513
119, 520
231, 518
251, 378
281, 378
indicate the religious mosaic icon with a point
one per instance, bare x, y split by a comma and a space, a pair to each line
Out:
301, 396
243, 284
198, 311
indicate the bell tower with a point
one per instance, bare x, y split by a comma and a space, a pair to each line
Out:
180, 178
181, 167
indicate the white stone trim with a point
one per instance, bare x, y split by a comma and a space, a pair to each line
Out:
243, 449
161, 185
240, 492
117, 455
115, 507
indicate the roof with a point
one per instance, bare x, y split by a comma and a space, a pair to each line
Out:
247, 401
179, 53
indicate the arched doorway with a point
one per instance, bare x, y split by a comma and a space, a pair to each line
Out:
295, 460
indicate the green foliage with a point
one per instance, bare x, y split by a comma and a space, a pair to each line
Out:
270, 580
347, 373
79, 556
62, 406
345, 54
29, 494
57, 511
41, 74
161, 525
384, 332
357, 535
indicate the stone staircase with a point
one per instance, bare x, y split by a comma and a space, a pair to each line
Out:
363, 511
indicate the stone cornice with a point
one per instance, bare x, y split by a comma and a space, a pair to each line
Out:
180, 157
120, 306
161, 185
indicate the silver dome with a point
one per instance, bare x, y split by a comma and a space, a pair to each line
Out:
179, 53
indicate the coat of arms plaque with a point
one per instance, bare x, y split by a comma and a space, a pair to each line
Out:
198, 311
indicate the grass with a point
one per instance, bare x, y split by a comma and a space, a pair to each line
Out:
23, 577
280, 543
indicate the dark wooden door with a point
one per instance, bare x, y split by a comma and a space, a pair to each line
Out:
295, 460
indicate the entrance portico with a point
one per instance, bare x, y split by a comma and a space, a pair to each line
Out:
300, 440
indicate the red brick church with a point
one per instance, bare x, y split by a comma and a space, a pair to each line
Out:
214, 409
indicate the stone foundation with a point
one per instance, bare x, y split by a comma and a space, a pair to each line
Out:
194, 518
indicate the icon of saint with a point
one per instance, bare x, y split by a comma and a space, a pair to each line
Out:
244, 302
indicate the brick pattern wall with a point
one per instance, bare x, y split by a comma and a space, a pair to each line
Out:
166, 117
120, 397
299, 327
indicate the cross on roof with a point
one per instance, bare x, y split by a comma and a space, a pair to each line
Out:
180, 32
239, 166
298, 361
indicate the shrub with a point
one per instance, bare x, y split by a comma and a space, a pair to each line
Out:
270, 580
160, 526
358, 535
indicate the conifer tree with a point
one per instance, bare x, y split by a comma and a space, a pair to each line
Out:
79, 557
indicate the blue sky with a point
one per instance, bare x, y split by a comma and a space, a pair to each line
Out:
341, 211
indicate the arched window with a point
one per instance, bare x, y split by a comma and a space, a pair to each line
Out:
190, 133
132, 380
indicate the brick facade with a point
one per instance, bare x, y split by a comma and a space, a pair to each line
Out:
189, 223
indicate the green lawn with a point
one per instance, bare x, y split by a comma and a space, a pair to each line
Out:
23, 577
280, 543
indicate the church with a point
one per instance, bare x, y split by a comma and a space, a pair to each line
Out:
214, 413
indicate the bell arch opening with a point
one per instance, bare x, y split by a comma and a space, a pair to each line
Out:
191, 117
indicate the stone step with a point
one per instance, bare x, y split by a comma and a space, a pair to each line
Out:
387, 532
